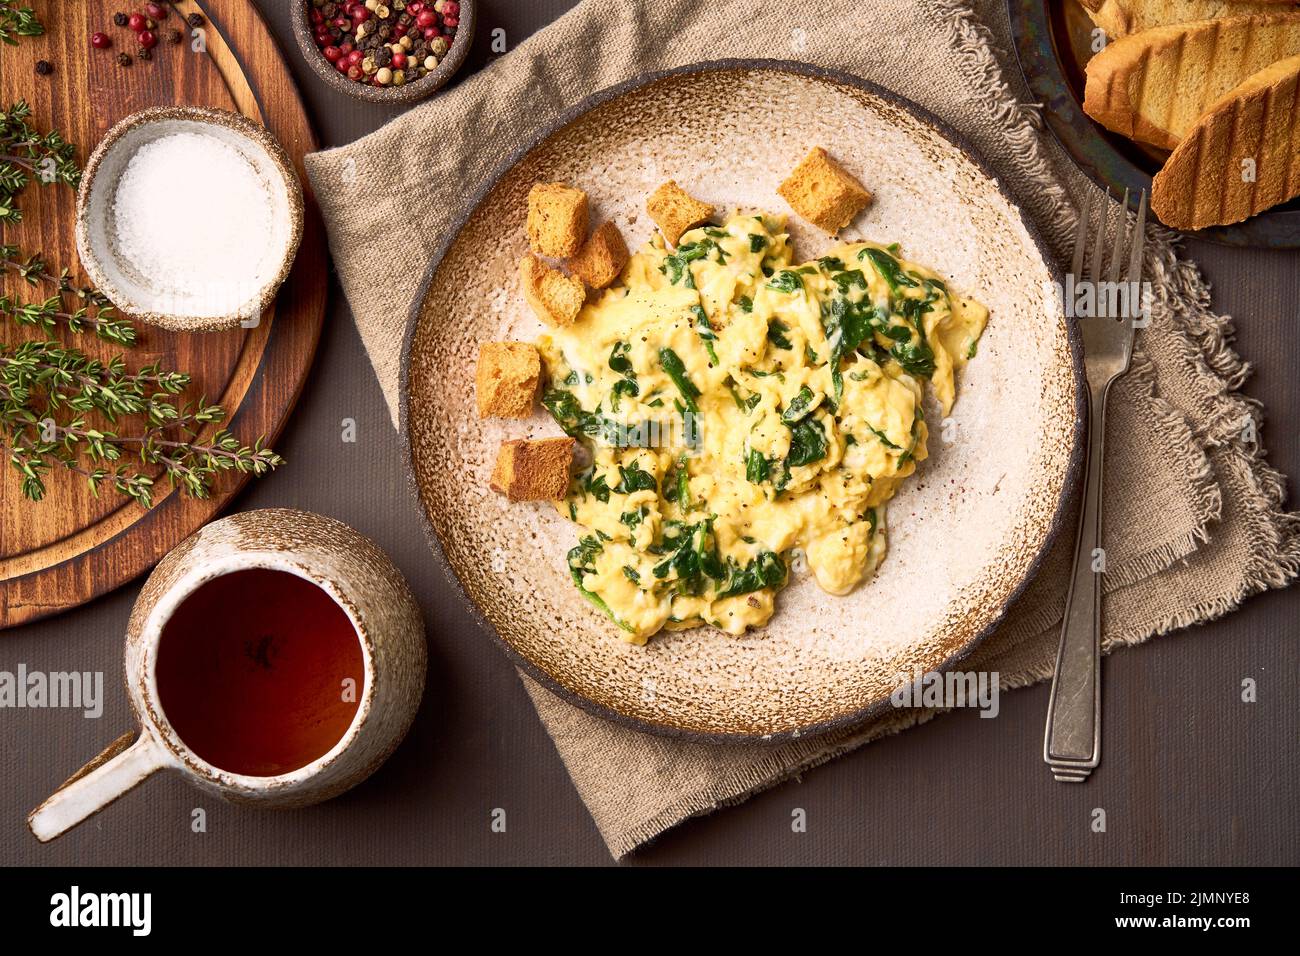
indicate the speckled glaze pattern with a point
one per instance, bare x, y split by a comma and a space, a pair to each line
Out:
352, 570
966, 533
95, 196
403, 95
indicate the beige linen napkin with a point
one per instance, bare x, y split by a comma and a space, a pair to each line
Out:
1195, 519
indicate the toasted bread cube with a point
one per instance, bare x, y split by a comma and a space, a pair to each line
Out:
820, 190
506, 379
556, 298
601, 260
557, 220
675, 212
530, 469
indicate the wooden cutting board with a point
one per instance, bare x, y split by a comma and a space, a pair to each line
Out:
71, 547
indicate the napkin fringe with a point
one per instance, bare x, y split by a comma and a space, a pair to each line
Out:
1208, 351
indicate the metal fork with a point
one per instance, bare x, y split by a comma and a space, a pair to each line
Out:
1072, 741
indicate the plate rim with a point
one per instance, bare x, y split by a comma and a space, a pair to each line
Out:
1074, 467
1047, 79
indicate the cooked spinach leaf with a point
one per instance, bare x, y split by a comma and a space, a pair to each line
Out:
776, 334
889, 268
704, 329
786, 281
800, 406
634, 478
673, 366
807, 443
765, 571
582, 561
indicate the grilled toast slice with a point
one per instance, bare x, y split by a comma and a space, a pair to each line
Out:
1119, 18
1153, 86
1241, 157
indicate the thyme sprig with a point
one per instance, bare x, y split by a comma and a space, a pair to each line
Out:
26, 154
45, 391
34, 270
16, 21
49, 315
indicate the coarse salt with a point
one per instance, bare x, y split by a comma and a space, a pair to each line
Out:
192, 217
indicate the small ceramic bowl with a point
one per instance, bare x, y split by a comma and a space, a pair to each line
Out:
133, 293
407, 93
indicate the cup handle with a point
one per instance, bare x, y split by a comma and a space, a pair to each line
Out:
125, 762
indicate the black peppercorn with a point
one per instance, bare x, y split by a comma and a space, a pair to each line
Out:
124, 59
195, 19
383, 56
121, 19
175, 36
44, 67
144, 54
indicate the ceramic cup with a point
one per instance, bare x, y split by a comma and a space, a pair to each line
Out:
351, 570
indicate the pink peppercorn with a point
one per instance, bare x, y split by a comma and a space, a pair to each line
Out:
101, 41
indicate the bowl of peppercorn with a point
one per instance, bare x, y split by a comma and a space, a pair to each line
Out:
385, 51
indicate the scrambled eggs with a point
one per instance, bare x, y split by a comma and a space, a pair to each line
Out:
738, 407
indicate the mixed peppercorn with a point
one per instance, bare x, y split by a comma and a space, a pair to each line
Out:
145, 24
384, 42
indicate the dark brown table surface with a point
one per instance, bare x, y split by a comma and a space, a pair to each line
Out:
1190, 774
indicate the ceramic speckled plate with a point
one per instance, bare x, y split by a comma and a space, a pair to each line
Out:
966, 532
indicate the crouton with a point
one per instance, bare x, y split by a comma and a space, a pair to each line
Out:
533, 469
557, 219
822, 192
675, 212
600, 261
556, 298
506, 379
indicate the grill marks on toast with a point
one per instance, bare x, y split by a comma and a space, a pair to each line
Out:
1153, 86
1202, 183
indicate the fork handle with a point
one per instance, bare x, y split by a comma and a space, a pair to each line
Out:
1072, 741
